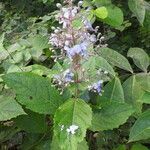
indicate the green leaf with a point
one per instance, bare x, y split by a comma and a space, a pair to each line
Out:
138, 9
101, 12
114, 17
35, 92
73, 112
141, 128
83, 145
99, 3
77, 23
147, 21
120, 147
144, 80
3, 52
111, 116
139, 146
9, 108
145, 98
95, 63
133, 92
38, 43
113, 91
44, 145
7, 132
41, 70
115, 59
32, 140
32, 122
140, 58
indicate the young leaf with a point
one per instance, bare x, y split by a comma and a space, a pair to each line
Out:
113, 91
111, 116
9, 108
70, 123
111, 19
138, 8
140, 58
144, 80
115, 59
133, 92
101, 12
141, 128
35, 92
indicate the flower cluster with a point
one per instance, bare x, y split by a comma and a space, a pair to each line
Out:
73, 41
76, 40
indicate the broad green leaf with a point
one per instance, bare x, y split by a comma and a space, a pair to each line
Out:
115, 59
145, 98
111, 116
73, 112
101, 12
147, 21
99, 3
95, 63
133, 93
139, 146
144, 80
83, 145
38, 43
140, 58
32, 122
41, 70
120, 147
114, 17
9, 108
113, 91
3, 52
138, 9
35, 92
32, 141
141, 128
44, 145
7, 132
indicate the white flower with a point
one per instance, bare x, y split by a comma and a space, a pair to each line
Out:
72, 129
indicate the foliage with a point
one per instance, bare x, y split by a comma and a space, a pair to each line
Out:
48, 103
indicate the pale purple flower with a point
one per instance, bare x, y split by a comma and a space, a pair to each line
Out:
96, 87
79, 49
64, 78
88, 25
68, 76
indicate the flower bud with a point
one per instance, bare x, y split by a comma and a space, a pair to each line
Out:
58, 5
80, 3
